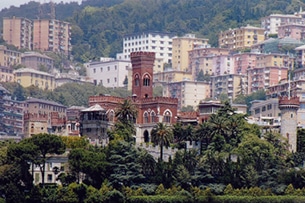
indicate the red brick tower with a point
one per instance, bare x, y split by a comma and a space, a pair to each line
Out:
142, 74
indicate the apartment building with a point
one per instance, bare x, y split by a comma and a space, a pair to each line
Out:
9, 57
43, 116
181, 47
13, 115
272, 59
6, 74
243, 62
272, 22
300, 56
28, 76
52, 35
188, 93
223, 64
37, 61
170, 75
241, 38
109, 73
203, 59
295, 31
18, 32
263, 77
228, 84
160, 43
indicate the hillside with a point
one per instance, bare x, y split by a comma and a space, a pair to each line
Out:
98, 26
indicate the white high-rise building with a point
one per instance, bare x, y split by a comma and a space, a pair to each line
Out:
109, 73
160, 43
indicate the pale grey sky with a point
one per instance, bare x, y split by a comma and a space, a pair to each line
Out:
17, 3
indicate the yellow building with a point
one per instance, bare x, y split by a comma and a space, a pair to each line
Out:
18, 32
27, 77
272, 60
9, 57
172, 76
181, 47
241, 38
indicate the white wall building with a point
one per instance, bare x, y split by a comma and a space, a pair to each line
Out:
109, 73
160, 43
271, 22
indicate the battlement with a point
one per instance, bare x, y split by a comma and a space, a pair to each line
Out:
142, 53
286, 101
103, 98
35, 117
156, 100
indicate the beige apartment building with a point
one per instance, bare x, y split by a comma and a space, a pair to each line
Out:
181, 47
18, 32
203, 59
6, 74
188, 93
9, 57
27, 77
241, 38
170, 75
228, 84
52, 35
37, 61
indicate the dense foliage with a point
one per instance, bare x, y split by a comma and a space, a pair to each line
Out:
233, 162
99, 26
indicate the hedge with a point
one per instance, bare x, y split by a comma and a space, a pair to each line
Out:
216, 199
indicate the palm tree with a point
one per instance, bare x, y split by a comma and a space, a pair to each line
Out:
204, 135
127, 112
162, 135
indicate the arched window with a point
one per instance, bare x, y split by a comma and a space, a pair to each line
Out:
137, 80
146, 117
153, 117
167, 117
146, 80
146, 136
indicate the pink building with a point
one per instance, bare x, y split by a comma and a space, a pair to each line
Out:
295, 31
223, 64
262, 78
243, 62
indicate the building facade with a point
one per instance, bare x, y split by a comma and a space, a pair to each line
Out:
52, 35
241, 38
6, 74
110, 73
271, 23
181, 47
37, 61
160, 43
9, 57
18, 32
27, 77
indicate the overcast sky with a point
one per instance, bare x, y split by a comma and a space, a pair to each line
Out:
17, 3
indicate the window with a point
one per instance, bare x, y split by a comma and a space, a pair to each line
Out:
153, 117
167, 117
108, 68
93, 70
145, 117
50, 177
108, 80
137, 80
146, 80
101, 69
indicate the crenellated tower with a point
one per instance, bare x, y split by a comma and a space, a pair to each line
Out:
289, 107
142, 74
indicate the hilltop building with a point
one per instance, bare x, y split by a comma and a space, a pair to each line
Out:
241, 38
160, 43
27, 77
18, 32
37, 61
9, 57
272, 22
52, 35
109, 73
181, 47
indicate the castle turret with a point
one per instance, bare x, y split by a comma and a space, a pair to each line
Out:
142, 74
289, 107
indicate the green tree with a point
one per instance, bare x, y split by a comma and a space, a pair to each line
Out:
46, 144
161, 135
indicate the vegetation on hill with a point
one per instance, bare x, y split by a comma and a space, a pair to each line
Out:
99, 26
